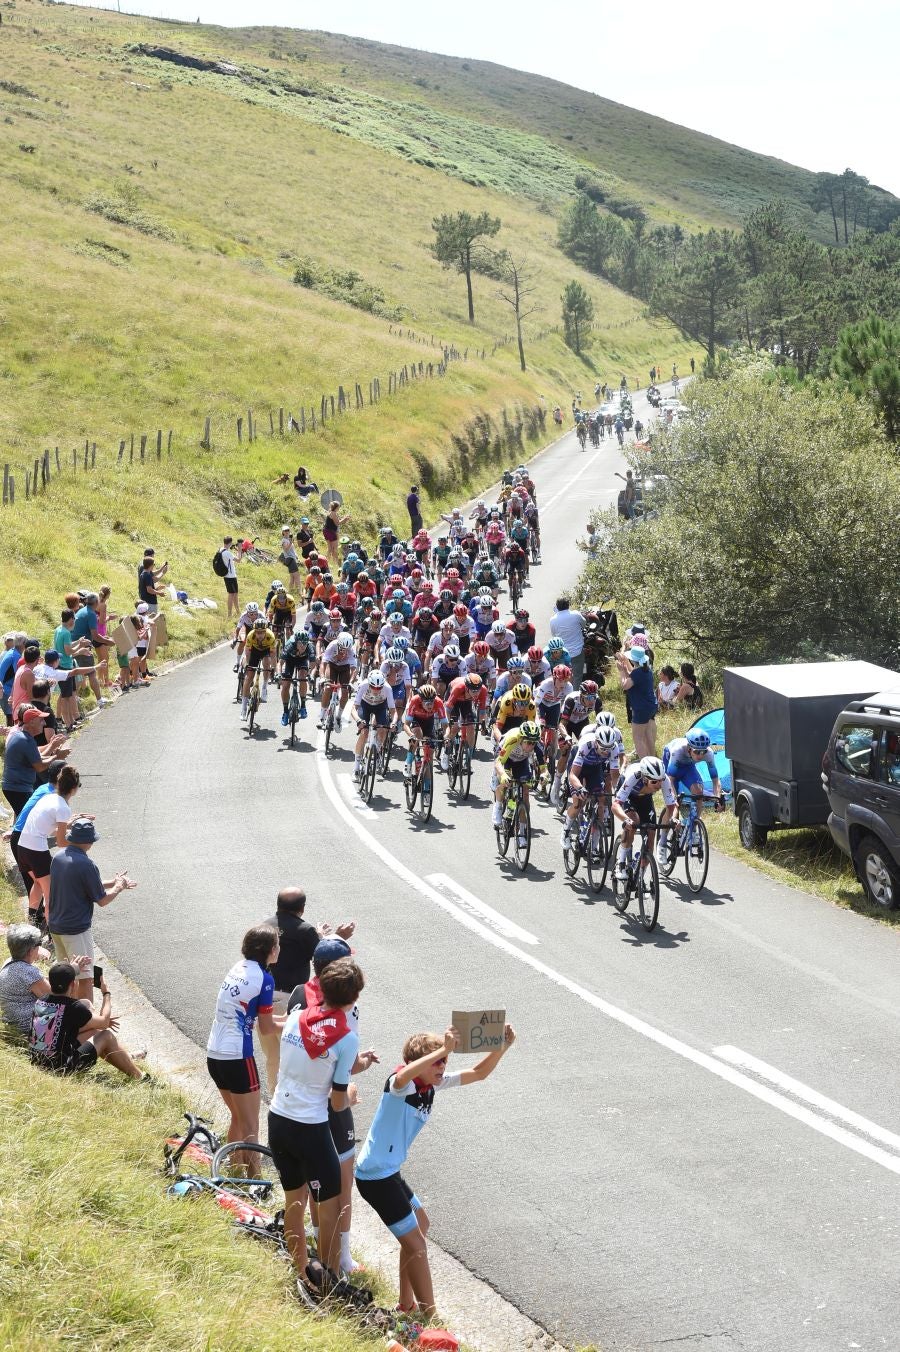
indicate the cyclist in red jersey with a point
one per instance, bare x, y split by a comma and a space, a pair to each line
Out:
425, 716
522, 629
461, 700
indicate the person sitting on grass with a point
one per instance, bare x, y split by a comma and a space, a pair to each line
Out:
21, 980
319, 1053
404, 1109
67, 1036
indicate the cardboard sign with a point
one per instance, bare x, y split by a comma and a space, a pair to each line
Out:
125, 637
161, 628
480, 1030
151, 641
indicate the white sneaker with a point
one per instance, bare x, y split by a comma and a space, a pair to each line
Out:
621, 871
445, 760
497, 816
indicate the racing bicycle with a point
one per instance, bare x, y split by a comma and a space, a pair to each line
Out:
253, 700
419, 785
515, 824
591, 839
641, 880
459, 766
294, 707
688, 839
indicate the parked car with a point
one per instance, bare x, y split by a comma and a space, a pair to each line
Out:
778, 720
861, 776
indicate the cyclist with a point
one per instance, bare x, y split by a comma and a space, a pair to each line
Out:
516, 750
364, 587
374, 699
483, 613
440, 554
425, 717
439, 640
522, 629
633, 803
455, 521
411, 657
346, 604
494, 534
548, 698
680, 759
352, 567
296, 655
395, 671
515, 565
515, 674
340, 662
537, 667
485, 574
398, 602
242, 629
445, 668
607, 719
481, 513
555, 653
593, 766
453, 583
282, 611
423, 627
443, 606
273, 587
463, 627
513, 709
393, 628
425, 597
578, 709
501, 643
463, 694
386, 541
258, 651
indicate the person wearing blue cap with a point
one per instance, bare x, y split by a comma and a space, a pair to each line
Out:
76, 887
636, 679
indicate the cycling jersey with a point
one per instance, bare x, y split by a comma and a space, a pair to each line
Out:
595, 763
549, 694
508, 679
444, 672
261, 641
247, 990
418, 713
425, 597
389, 633
484, 666
524, 637
513, 747
363, 589
366, 695
575, 713
630, 785
397, 676
484, 618
458, 693
501, 643
538, 671
676, 757
298, 648
511, 712
315, 628
339, 657
247, 620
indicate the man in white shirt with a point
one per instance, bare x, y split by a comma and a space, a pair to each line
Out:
569, 626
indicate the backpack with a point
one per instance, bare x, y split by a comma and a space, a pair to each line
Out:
219, 566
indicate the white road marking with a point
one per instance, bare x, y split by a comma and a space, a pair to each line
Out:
347, 785
811, 1096
469, 902
544, 506
692, 1054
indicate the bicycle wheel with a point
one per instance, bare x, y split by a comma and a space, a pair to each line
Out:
411, 786
248, 1169
504, 830
452, 767
386, 750
240, 681
252, 707
426, 795
521, 831
619, 885
572, 852
696, 860
648, 893
329, 728
465, 771
597, 856
367, 778
672, 844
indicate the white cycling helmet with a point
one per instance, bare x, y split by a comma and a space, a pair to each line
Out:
252, 607
605, 737
451, 652
498, 628
651, 767
345, 641
376, 680
606, 719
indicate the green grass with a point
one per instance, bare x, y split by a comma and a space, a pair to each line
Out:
93, 1255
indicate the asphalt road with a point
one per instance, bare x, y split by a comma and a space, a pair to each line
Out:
697, 1139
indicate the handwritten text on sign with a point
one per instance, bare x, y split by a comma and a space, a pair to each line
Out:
479, 1030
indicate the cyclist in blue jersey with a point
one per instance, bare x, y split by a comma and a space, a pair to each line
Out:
680, 759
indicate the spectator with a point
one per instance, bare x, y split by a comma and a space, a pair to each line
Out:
24, 677
636, 677
40, 692
46, 820
150, 553
297, 940
340, 1124
302, 485
320, 1050
18, 826
405, 1107
245, 994
85, 627
148, 591
689, 692
591, 541
414, 509
142, 624
8, 663
104, 617
305, 539
290, 560
67, 647
23, 759
331, 529
21, 980
75, 889
67, 1036
629, 499
667, 689
230, 577
568, 625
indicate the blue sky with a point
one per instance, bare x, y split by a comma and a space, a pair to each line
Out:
811, 84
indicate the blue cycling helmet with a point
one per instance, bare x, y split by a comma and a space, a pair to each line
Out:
516, 664
555, 645
698, 740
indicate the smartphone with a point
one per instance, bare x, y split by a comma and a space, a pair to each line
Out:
98, 976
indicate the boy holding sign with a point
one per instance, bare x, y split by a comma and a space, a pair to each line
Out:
404, 1110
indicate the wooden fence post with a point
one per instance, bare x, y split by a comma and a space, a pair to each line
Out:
45, 468
5, 484
312, 414
93, 454
143, 445
159, 443
12, 491
249, 424
323, 407
58, 465
341, 399
121, 451
331, 400
169, 443
302, 419
281, 422
240, 424
271, 424
131, 449
27, 484
371, 393
205, 442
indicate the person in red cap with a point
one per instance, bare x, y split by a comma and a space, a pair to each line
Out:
23, 759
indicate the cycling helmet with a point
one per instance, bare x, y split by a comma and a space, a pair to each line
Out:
651, 767
427, 693
481, 502
481, 649
698, 740
315, 571
345, 641
395, 579
400, 642
252, 607
276, 583
530, 731
605, 738
280, 587
259, 623
327, 577
562, 672
352, 558
317, 607
384, 530
451, 652
447, 624
454, 573
364, 577
521, 692
396, 655
343, 588
398, 594
516, 664
397, 548
556, 645
485, 590
522, 613
376, 615
425, 612
535, 654
376, 680
460, 610
395, 618
335, 613
588, 690
473, 681
606, 719
498, 628
442, 538
301, 634
356, 547
416, 573
446, 594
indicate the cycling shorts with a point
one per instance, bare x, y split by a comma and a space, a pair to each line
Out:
680, 778
399, 692
549, 714
295, 666
305, 1153
237, 1075
501, 656
463, 642
461, 712
339, 673
425, 725
380, 712
393, 1200
254, 656
642, 806
516, 769
593, 776
343, 1132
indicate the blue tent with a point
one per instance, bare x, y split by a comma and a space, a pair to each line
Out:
713, 724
